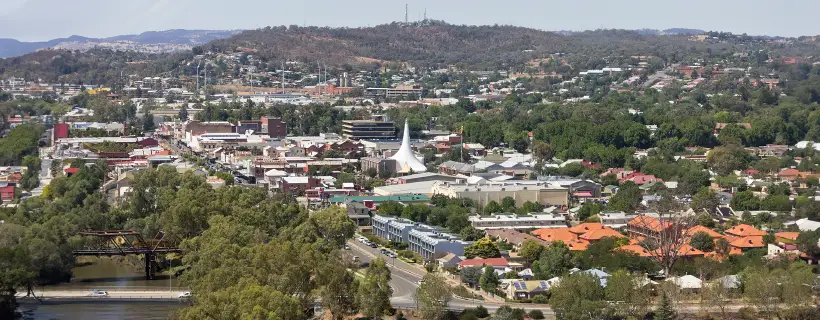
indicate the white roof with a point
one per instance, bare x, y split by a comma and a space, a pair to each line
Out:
296, 180
807, 225
405, 156
687, 282
276, 173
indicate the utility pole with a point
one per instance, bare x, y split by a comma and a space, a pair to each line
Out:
197, 78
283, 76
405, 14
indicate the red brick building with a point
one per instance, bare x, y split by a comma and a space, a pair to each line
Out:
7, 193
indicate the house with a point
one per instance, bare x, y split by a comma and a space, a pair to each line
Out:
448, 260
615, 220
522, 289
456, 168
640, 178
742, 231
497, 263
513, 237
358, 212
7, 193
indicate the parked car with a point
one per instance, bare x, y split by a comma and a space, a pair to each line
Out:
355, 258
185, 294
98, 293
347, 247
372, 245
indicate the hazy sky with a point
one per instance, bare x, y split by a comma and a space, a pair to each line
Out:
31, 20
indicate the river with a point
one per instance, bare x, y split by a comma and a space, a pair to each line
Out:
107, 274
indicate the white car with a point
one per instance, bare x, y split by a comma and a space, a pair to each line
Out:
98, 293
185, 294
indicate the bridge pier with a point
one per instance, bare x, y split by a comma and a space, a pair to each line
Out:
150, 273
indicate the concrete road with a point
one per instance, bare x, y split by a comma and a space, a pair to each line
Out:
112, 294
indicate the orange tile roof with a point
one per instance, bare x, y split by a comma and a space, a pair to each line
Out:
577, 245
586, 227
636, 249
687, 250
555, 234
598, 234
787, 235
710, 232
748, 242
745, 230
649, 223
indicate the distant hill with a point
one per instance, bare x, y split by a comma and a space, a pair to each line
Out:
421, 43
152, 41
672, 31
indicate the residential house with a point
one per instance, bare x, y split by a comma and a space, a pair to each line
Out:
449, 260
500, 264
456, 168
7, 193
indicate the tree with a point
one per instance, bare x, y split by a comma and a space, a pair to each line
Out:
705, 199
807, 242
776, 203
470, 233
716, 295
542, 150
433, 296
665, 311
536, 314
493, 207
471, 276
339, 292
183, 113
624, 289
489, 279
148, 122
724, 160
508, 204
484, 248
375, 290
578, 296
627, 198
745, 200
670, 233
702, 241
762, 290
554, 261
609, 180
391, 208
531, 250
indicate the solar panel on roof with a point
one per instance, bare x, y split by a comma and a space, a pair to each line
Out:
517, 286
544, 284
523, 285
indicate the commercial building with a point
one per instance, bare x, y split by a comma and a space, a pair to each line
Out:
543, 193
432, 244
368, 129
393, 229
275, 127
398, 91
427, 241
514, 221
616, 220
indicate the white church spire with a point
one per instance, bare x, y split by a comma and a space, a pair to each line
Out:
405, 157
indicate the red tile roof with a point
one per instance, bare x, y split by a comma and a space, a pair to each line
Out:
745, 230
586, 227
748, 242
477, 262
600, 234
710, 232
649, 223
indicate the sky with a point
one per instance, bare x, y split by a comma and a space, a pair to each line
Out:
39, 20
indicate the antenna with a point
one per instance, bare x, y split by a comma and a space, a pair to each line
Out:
425, 14
405, 14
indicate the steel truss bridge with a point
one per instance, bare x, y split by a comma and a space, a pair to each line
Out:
128, 242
